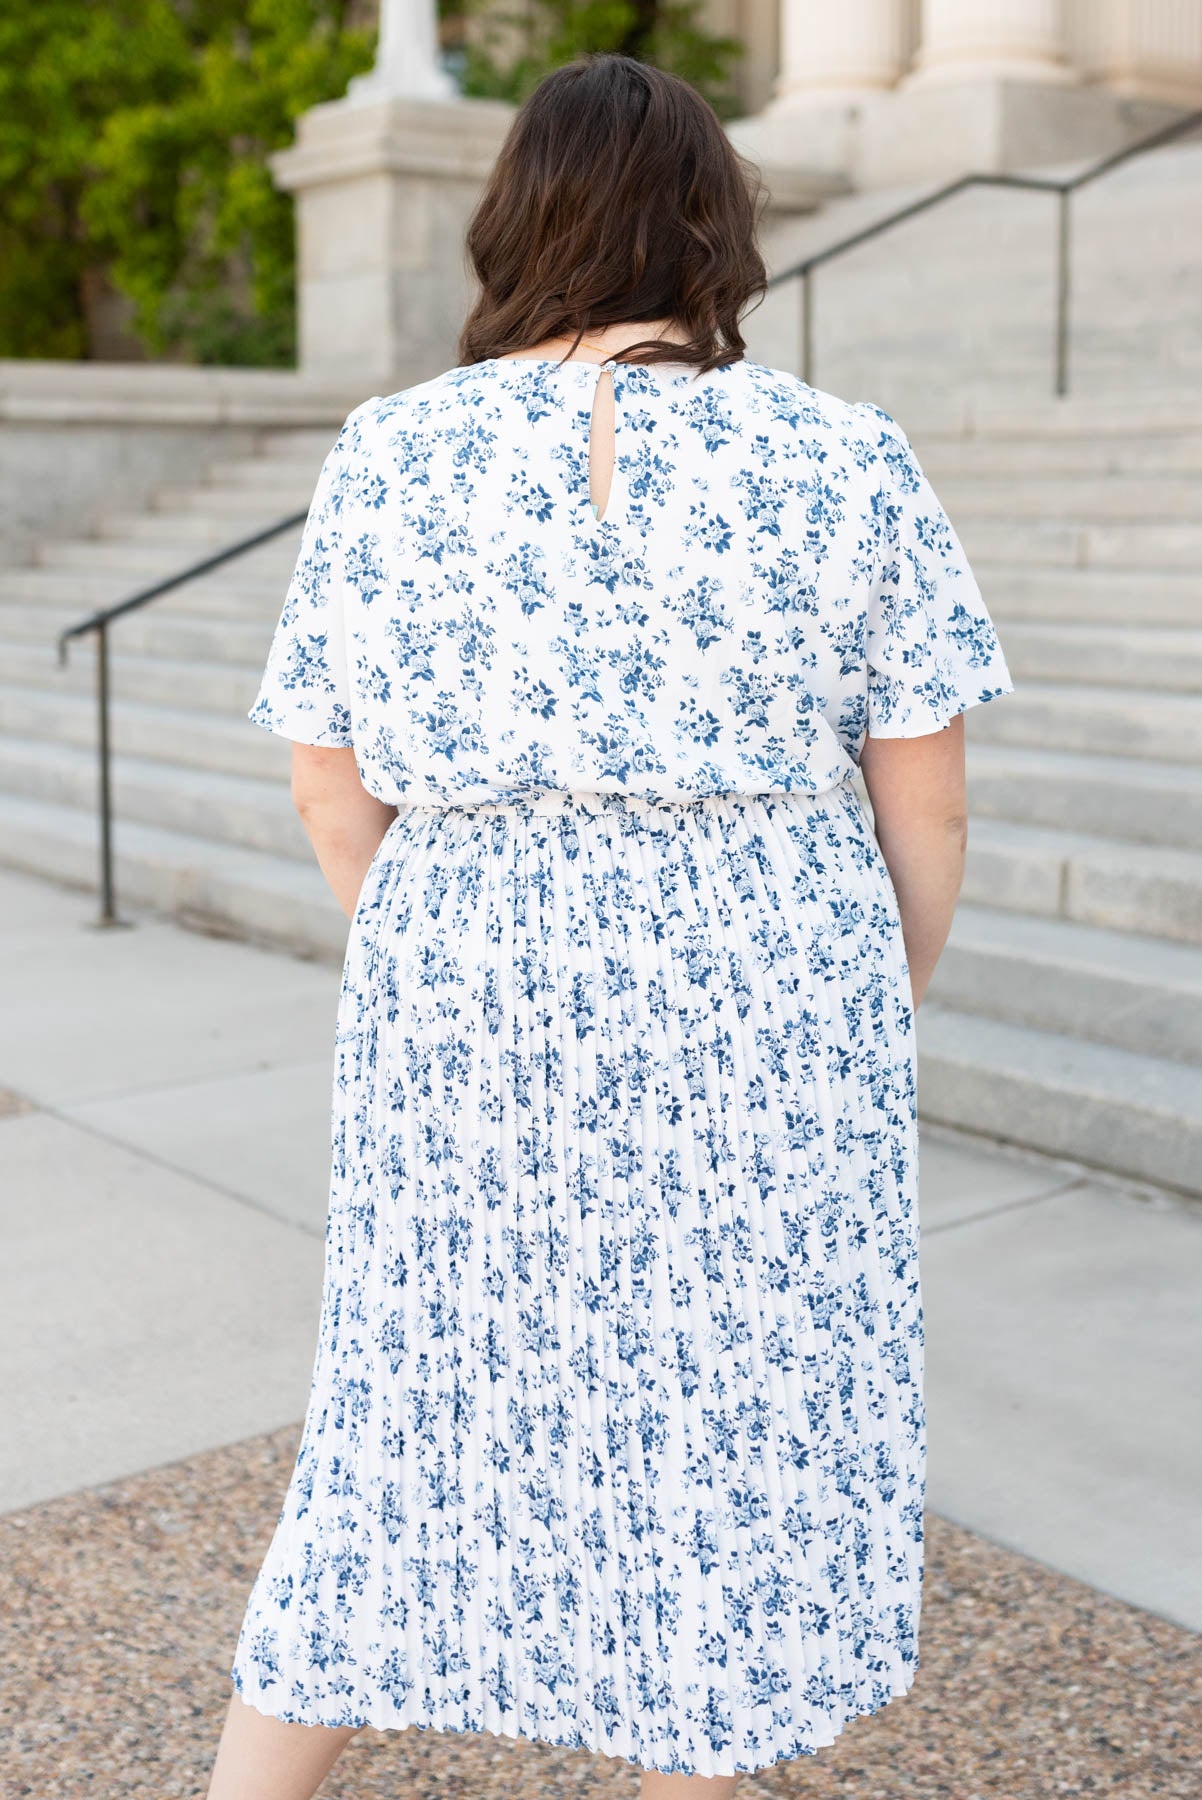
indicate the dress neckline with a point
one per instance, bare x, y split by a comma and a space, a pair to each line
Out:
675, 370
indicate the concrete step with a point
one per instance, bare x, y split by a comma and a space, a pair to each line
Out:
1049, 544
1110, 1108
147, 560
255, 813
218, 887
1115, 596
1081, 499
214, 604
166, 732
931, 383
243, 503
1144, 656
306, 443
1137, 800
227, 594
1123, 721
80, 590
1112, 987
1150, 889
1132, 410
153, 631
1171, 454
199, 528
194, 685
282, 470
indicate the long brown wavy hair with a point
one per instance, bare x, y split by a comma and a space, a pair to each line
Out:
616, 196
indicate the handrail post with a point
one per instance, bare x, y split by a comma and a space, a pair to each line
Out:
108, 907
807, 325
1063, 253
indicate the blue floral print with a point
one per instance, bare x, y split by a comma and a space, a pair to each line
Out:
616, 1433
760, 536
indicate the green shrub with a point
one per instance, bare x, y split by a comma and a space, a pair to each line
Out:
504, 54
134, 137
133, 146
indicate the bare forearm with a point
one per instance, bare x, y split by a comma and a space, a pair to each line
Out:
926, 866
916, 787
344, 840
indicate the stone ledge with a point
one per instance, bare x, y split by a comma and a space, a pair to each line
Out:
34, 391
343, 140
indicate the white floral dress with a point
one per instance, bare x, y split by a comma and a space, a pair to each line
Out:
616, 1435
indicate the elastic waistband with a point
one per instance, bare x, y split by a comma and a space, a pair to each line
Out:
555, 801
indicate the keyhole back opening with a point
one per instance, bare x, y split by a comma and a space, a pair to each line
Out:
601, 437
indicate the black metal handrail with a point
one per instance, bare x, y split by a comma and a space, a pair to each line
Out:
99, 623
1063, 187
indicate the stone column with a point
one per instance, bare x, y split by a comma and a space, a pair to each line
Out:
994, 40
384, 189
407, 65
996, 84
1144, 49
835, 51
385, 181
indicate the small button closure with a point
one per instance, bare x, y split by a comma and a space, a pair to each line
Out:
611, 365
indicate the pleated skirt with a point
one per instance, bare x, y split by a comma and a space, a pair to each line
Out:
616, 1434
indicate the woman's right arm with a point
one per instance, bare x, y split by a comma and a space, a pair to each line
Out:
917, 789
345, 823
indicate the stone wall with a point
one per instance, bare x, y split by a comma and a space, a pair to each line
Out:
77, 438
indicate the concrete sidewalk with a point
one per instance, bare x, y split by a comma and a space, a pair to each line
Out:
164, 1127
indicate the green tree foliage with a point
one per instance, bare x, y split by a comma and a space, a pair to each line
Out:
65, 67
134, 137
133, 140
505, 53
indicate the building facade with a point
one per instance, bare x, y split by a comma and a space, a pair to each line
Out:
796, 49
838, 93
889, 91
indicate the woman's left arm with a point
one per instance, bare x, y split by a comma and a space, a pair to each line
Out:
344, 822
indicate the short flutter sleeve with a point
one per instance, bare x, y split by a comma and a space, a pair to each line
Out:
304, 693
931, 647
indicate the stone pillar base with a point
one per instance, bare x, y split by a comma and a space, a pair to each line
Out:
917, 133
993, 125
384, 190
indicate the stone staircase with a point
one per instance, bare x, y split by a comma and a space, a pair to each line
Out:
1066, 1012
963, 297
204, 828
